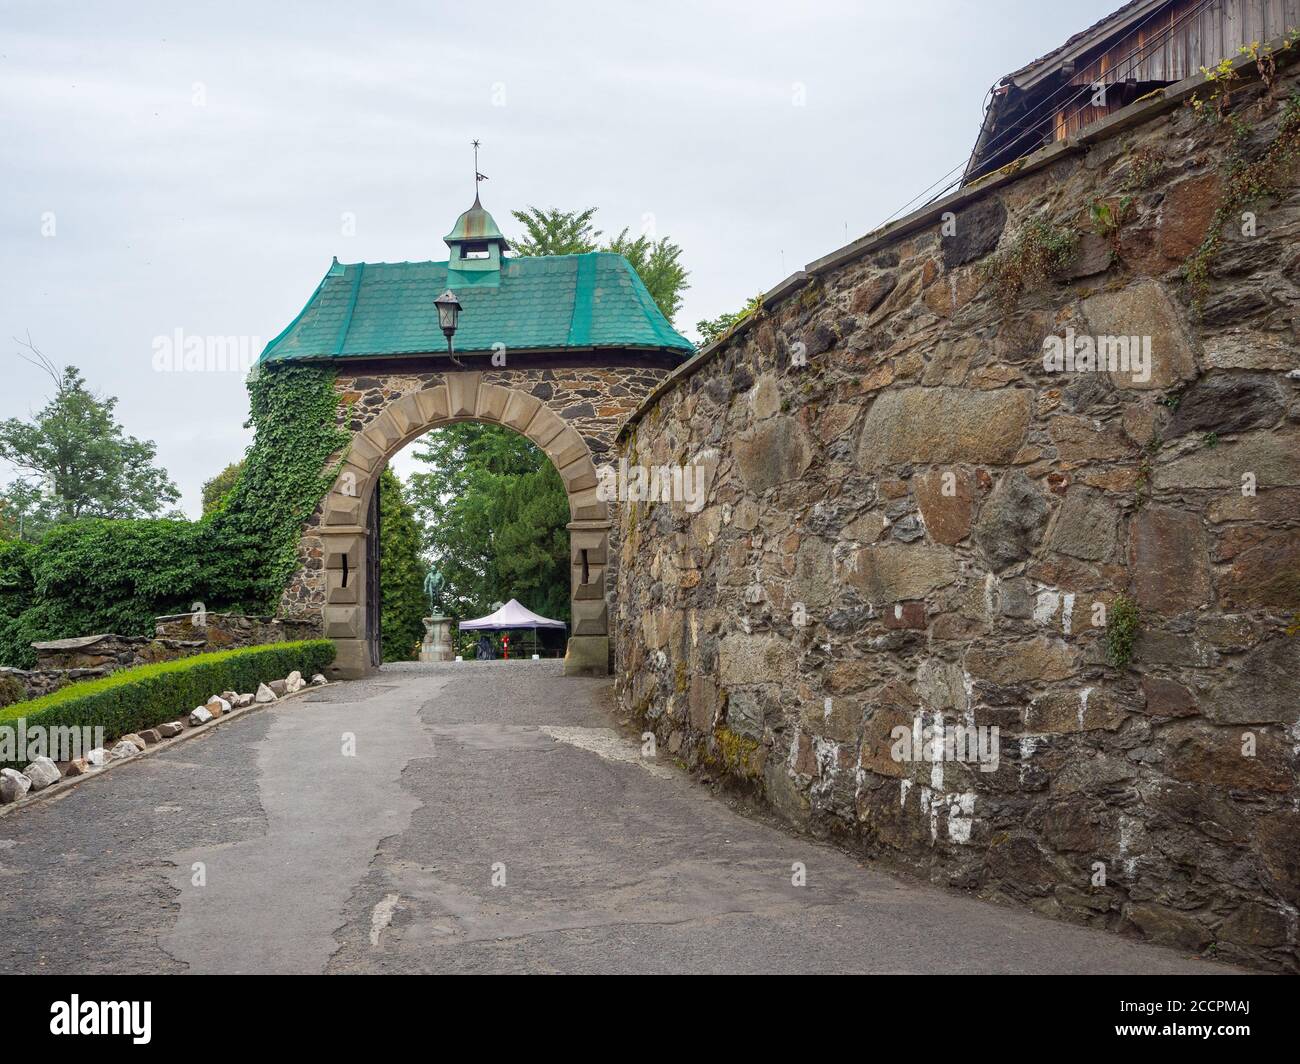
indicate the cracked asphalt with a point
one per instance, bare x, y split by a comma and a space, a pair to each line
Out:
469, 818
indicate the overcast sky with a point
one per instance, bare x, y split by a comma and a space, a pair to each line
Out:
189, 166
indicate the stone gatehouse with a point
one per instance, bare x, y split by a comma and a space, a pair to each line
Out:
559, 348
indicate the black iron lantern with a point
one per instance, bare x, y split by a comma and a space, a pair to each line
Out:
448, 314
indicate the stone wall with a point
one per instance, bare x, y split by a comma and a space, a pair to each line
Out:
912, 523
63, 661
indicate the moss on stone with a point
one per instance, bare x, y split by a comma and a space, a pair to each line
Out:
736, 753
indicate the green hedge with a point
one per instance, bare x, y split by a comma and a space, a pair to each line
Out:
148, 695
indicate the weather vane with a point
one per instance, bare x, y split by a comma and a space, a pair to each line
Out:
477, 176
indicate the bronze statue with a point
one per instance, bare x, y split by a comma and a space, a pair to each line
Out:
433, 585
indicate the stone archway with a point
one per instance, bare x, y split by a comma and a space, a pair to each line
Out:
344, 542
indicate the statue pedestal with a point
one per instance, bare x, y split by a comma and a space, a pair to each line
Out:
437, 639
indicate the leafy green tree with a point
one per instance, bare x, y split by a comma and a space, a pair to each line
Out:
401, 572
556, 232
494, 513
75, 449
26, 511
216, 490
714, 328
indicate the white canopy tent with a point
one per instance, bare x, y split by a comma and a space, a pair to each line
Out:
511, 615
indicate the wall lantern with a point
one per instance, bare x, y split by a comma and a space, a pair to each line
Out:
448, 315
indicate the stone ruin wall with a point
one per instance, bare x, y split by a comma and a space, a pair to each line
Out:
947, 515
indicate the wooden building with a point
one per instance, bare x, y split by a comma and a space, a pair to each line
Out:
1141, 47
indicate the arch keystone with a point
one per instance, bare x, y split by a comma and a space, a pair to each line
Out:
462, 393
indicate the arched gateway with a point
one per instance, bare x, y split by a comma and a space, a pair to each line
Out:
559, 348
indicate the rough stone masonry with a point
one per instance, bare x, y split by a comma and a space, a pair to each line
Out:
913, 525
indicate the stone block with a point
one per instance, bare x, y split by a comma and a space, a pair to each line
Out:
946, 498
936, 425
587, 655
13, 785
773, 452
1028, 661
1011, 521
891, 573
42, 772
1144, 310
1169, 559
754, 659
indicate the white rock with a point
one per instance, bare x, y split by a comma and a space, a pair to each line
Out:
200, 716
13, 785
42, 772
97, 757
240, 701
124, 750
318, 679
294, 682
217, 705
264, 694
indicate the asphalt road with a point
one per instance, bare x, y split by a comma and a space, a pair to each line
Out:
491, 819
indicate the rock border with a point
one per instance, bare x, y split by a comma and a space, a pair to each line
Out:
62, 786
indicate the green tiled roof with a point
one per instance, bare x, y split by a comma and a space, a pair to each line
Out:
541, 303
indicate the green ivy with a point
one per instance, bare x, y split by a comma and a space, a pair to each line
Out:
251, 545
1245, 182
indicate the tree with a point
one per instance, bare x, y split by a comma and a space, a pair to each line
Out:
401, 572
494, 512
219, 487
716, 328
26, 511
76, 452
556, 232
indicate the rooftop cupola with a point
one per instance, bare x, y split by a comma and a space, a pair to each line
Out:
476, 243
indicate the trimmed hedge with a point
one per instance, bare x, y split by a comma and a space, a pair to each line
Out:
148, 695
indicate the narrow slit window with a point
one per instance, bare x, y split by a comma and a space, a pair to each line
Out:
586, 569
345, 570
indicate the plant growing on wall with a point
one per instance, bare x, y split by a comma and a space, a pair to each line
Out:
1040, 251
1245, 181
1122, 623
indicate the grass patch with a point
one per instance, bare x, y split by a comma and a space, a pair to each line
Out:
1122, 626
